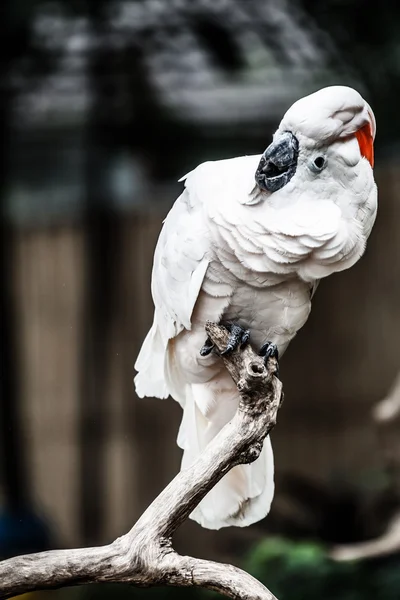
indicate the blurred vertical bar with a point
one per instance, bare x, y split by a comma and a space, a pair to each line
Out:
13, 468
100, 243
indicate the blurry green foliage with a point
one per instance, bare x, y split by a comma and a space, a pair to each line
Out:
303, 571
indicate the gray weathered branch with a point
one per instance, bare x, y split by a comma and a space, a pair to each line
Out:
388, 409
144, 556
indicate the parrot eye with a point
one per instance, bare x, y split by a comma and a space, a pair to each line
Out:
318, 164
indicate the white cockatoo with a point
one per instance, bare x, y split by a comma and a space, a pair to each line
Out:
246, 244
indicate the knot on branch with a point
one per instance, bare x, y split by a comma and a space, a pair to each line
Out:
251, 454
255, 374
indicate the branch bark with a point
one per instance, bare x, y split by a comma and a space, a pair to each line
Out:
144, 556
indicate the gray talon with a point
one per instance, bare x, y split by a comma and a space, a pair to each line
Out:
237, 337
270, 350
207, 348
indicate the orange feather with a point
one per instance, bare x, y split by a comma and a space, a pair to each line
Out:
366, 143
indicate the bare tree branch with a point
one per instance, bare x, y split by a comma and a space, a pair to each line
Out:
388, 409
388, 543
144, 556
385, 415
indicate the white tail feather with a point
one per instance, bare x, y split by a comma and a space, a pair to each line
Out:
150, 380
245, 494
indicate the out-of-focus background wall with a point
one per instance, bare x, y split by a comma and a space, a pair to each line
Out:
103, 106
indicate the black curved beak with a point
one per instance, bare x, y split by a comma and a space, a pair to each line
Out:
278, 163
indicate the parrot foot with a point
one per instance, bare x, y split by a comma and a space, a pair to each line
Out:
270, 350
237, 337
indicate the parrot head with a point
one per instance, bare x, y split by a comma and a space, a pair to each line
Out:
318, 136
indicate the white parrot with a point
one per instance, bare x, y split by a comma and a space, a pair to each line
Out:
246, 243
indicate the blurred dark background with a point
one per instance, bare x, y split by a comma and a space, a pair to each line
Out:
103, 106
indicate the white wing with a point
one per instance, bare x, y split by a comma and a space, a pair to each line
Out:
180, 262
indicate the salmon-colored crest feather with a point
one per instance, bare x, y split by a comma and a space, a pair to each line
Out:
366, 143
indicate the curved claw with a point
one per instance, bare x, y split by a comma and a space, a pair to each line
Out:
237, 337
207, 348
270, 350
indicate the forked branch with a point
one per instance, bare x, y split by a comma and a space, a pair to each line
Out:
144, 556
